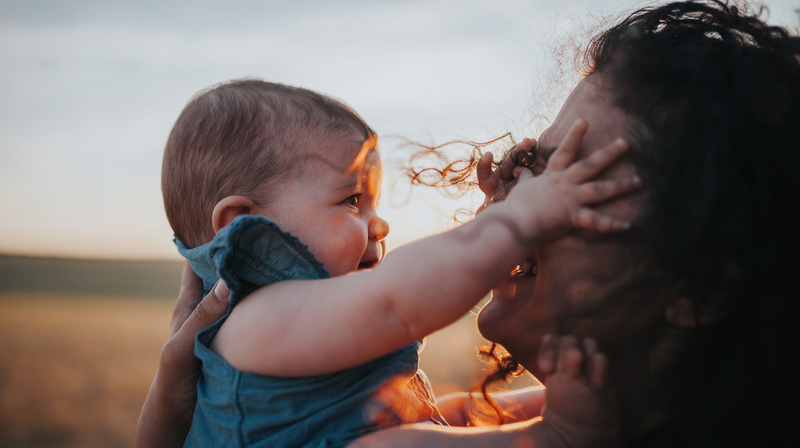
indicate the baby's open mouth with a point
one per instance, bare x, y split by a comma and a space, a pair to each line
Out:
367, 265
526, 269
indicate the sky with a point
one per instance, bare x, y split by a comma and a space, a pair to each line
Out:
89, 90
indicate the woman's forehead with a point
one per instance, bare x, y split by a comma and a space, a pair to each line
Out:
590, 102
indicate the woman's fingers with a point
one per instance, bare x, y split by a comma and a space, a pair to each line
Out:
208, 311
177, 355
548, 354
167, 411
570, 357
565, 154
591, 352
190, 294
599, 373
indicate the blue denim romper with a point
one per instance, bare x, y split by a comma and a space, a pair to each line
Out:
242, 409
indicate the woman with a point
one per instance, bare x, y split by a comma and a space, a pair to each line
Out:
695, 307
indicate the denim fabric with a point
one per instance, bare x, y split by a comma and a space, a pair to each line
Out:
241, 409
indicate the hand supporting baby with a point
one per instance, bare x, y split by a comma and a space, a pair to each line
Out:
579, 400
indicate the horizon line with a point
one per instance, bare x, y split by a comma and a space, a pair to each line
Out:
93, 257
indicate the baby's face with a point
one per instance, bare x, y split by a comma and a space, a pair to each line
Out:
331, 204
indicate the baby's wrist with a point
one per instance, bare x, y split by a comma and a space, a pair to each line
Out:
525, 229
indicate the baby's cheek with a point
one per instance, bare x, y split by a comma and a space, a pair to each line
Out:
343, 254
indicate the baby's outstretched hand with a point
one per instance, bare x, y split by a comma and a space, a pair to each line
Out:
560, 198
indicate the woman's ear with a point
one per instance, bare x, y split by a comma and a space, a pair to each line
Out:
229, 208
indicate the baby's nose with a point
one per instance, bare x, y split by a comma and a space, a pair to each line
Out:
378, 228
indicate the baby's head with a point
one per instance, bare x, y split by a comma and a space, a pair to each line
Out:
254, 147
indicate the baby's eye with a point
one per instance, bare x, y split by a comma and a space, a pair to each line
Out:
353, 200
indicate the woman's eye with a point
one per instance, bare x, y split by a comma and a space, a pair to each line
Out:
353, 200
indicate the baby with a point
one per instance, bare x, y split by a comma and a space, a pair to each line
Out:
275, 190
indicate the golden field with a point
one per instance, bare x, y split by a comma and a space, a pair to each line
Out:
80, 342
74, 372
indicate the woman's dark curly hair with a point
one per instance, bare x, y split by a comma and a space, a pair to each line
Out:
715, 95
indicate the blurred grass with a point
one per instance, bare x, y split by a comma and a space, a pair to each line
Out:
74, 373
89, 278
81, 342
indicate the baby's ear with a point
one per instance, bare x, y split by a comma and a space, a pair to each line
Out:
229, 208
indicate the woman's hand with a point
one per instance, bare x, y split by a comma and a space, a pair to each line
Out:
167, 412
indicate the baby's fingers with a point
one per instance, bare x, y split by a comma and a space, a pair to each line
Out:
521, 173
564, 155
591, 220
598, 161
605, 190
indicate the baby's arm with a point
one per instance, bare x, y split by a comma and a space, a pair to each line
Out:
301, 328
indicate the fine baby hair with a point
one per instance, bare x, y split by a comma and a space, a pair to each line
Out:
241, 137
